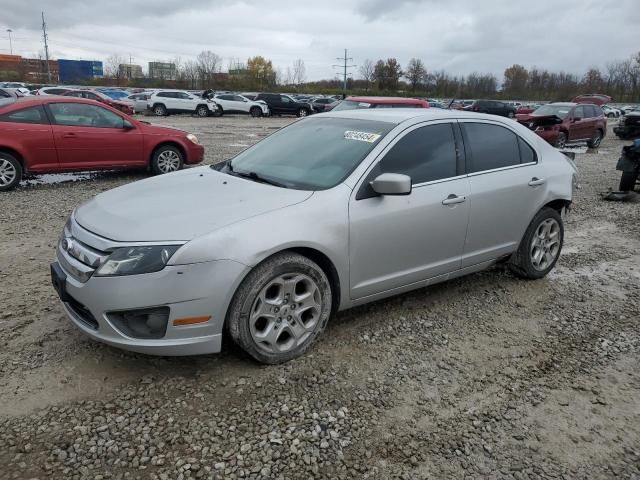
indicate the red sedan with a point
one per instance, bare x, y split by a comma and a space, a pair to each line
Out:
59, 134
102, 98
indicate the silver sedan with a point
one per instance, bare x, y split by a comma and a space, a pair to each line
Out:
333, 211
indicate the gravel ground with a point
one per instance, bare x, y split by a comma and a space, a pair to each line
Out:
486, 376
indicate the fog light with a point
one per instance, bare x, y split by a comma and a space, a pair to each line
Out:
141, 323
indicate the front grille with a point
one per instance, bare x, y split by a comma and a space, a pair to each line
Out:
82, 312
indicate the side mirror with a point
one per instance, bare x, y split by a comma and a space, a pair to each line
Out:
392, 184
127, 125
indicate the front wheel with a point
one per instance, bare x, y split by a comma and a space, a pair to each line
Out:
255, 112
280, 309
561, 142
303, 112
10, 172
202, 111
540, 247
627, 181
511, 115
166, 159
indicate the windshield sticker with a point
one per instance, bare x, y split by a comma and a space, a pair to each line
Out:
361, 136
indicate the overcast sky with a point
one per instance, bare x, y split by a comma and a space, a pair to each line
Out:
460, 36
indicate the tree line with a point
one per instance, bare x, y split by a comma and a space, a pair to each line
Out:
619, 79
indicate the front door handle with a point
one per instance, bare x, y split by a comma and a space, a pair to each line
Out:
69, 135
536, 182
453, 199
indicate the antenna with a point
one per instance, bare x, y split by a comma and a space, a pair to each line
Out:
345, 59
46, 48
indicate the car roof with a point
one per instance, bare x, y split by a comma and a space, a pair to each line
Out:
26, 102
563, 104
385, 100
400, 115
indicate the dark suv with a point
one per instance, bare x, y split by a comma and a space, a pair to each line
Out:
280, 104
562, 123
493, 107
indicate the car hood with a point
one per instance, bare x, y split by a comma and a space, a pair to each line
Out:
181, 206
538, 120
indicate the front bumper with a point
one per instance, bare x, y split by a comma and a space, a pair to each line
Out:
626, 131
195, 154
196, 290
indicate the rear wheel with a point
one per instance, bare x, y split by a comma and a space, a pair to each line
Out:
255, 112
561, 142
627, 181
10, 172
166, 159
596, 140
540, 247
160, 110
280, 309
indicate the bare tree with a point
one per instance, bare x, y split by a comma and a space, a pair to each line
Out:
112, 67
415, 73
299, 72
209, 63
366, 71
288, 78
191, 72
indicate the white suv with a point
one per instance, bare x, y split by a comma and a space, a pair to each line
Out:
234, 103
165, 102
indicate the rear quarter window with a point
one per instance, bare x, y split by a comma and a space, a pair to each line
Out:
33, 115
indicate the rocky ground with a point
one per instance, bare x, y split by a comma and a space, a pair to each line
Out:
487, 376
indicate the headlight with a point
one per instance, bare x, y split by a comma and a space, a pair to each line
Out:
136, 260
191, 137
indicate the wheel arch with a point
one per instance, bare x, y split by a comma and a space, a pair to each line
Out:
170, 143
15, 153
558, 204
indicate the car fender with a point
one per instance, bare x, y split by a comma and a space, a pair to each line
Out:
320, 222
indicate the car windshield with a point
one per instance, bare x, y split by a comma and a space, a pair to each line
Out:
313, 154
351, 105
560, 111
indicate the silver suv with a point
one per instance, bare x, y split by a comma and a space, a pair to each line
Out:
166, 102
273, 242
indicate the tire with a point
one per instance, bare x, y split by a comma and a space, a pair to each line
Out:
166, 159
219, 112
261, 319
303, 112
10, 172
202, 111
511, 115
527, 262
561, 142
596, 140
627, 181
611, 115
160, 110
255, 112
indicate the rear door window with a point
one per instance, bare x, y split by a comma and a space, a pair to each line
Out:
26, 115
425, 154
490, 146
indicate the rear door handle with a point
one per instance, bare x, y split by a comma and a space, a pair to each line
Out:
69, 135
453, 199
535, 182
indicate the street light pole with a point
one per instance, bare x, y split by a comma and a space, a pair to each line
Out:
9, 31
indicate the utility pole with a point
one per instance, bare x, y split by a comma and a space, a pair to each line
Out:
130, 66
46, 48
344, 66
9, 31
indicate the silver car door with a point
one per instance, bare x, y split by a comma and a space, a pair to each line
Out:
396, 241
507, 184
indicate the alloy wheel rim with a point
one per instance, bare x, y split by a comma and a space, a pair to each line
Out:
562, 141
168, 161
545, 245
8, 172
303, 113
202, 112
285, 313
596, 141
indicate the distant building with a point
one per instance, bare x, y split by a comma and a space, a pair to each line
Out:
10, 67
130, 70
79, 70
35, 70
162, 70
15, 67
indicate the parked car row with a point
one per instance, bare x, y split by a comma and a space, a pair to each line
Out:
47, 134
